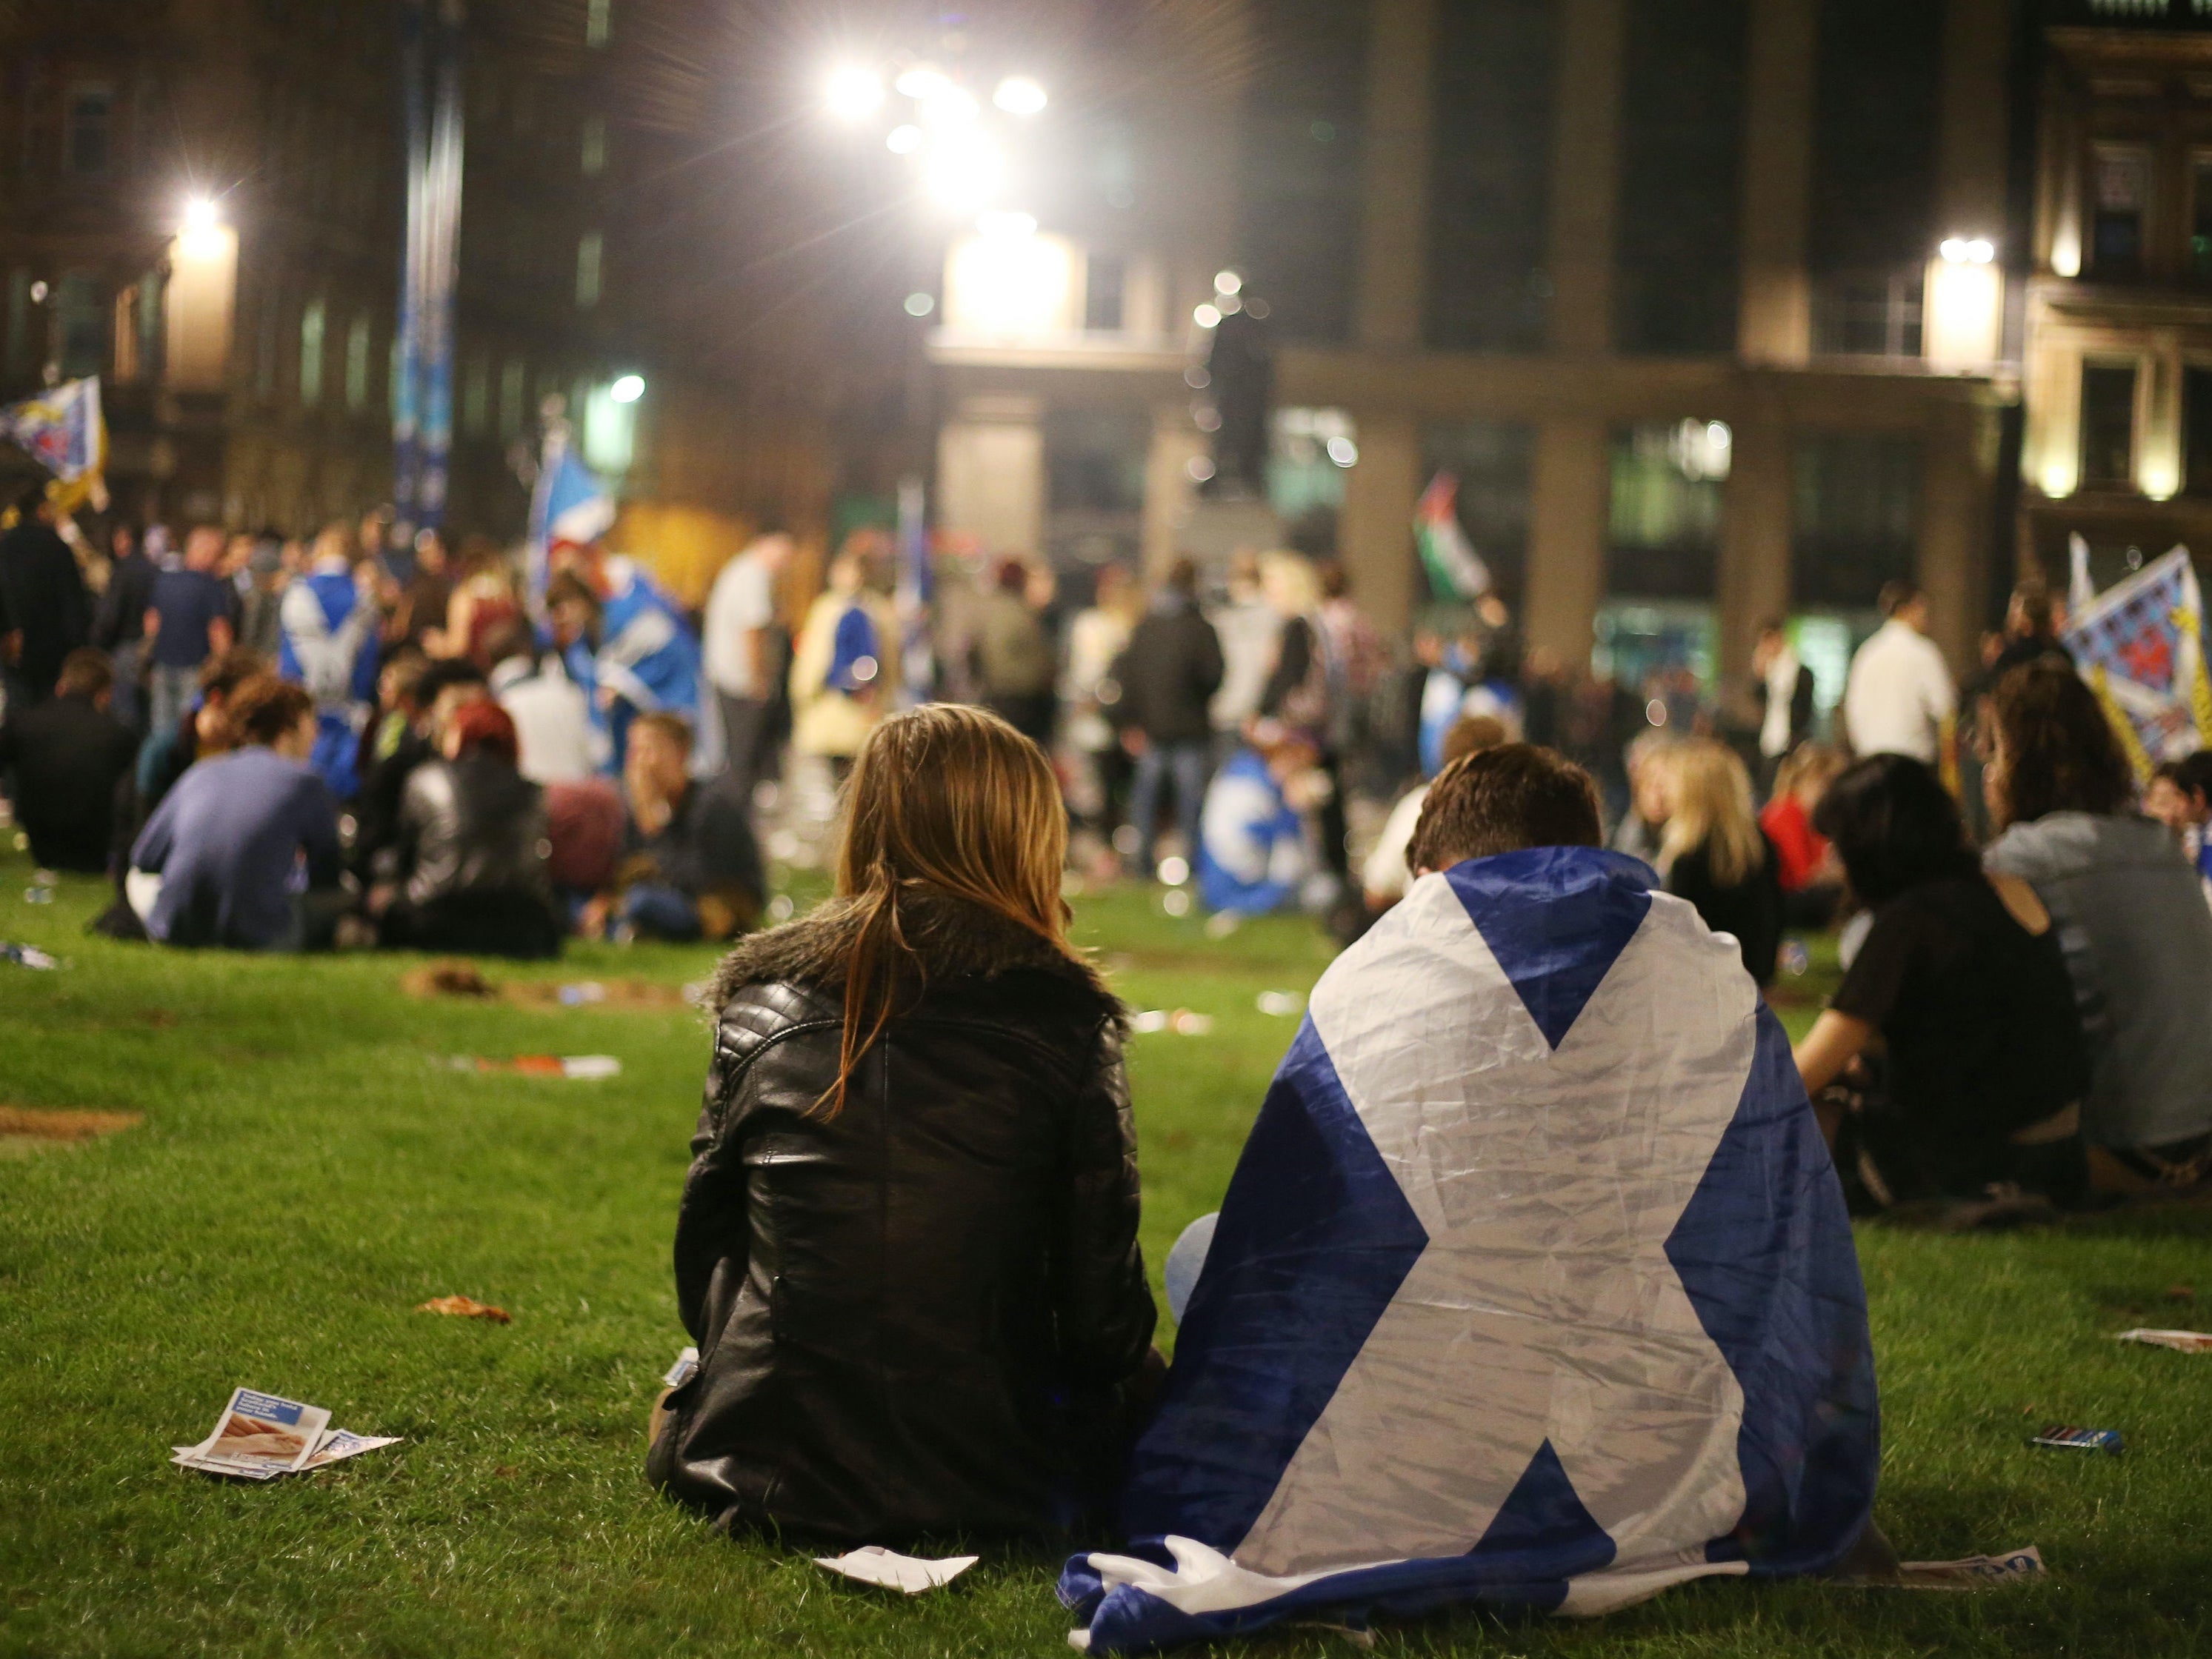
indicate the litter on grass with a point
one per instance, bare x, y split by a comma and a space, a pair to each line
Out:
685, 1368
1973, 1572
2180, 1342
26, 955
464, 981
32, 1123
579, 1068
260, 1437
465, 1307
2073, 1439
1280, 1005
910, 1574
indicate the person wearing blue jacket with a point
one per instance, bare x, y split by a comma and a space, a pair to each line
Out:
330, 621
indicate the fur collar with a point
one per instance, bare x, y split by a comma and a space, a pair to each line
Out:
954, 938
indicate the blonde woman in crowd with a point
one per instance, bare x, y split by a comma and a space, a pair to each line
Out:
844, 667
1713, 852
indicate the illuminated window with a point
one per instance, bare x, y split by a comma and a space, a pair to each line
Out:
610, 431
356, 365
2108, 425
595, 146
310, 353
89, 131
589, 252
598, 19
1664, 534
2121, 185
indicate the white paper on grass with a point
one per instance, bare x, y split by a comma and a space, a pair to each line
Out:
2180, 1342
873, 1564
261, 1434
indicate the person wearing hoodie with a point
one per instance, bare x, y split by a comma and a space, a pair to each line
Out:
2137, 935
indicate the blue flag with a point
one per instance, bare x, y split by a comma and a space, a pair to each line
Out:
1533, 1287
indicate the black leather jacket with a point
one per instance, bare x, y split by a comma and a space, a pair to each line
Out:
927, 1314
468, 829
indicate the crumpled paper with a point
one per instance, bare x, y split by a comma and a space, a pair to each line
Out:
873, 1564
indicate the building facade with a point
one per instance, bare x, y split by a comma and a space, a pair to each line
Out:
1713, 307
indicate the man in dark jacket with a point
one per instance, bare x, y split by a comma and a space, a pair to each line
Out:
1167, 677
691, 866
45, 611
67, 754
119, 626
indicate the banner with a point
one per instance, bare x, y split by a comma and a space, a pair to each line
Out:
422, 391
64, 431
570, 505
2141, 645
1455, 571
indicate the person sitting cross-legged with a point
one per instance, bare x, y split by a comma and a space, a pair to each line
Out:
691, 866
1533, 1285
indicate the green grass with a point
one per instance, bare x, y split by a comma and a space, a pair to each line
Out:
309, 1170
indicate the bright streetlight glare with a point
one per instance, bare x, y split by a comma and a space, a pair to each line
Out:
200, 214
1019, 95
1206, 317
1228, 282
903, 140
854, 94
628, 389
1967, 249
964, 171
948, 107
1007, 224
921, 82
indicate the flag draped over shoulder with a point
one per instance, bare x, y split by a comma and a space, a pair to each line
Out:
2140, 644
65, 432
1533, 1287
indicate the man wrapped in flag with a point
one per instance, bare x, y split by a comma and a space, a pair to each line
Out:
1533, 1285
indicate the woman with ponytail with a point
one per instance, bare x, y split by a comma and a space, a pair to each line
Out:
907, 1249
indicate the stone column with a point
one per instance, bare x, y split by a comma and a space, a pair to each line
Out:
1393, 225
1775, 317
990, 474
1169, 488
1754, 562
1954, 498
1586, 173
1376, 532
1571, 488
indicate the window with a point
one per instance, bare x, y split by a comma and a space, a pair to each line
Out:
2196, 429
598, 19
311, 353
2108, 425
1853, 521
1869, 313
81, 317
1664, 534
2200, 217
589, 251
2121, 187
514, 383
595, 146
19, 322
475, 398
267, 345
1102, 290
356, 364
88, 131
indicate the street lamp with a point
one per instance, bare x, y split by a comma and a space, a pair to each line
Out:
854, 94
627, 388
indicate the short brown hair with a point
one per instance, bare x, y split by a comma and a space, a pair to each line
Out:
224, 674
2056, 750
85, 673
264, 709
1472, 733
1502, 800
1897, 593
673, 727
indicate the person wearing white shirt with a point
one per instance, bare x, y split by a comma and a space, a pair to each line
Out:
556, 740
740, 611
1900, 695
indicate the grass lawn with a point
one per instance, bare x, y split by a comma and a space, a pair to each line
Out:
309, 1167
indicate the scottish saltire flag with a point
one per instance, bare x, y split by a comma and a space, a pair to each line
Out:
1532, 1286
649, 657
328, 646
2141, 645
64, 431
568, 505
1455, 570
1251, 856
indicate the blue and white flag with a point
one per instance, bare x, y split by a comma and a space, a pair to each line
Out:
1251, 845
64, 431
1533, 1287
2140, 645
569, 505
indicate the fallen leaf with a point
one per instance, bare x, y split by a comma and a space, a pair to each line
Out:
2181, 1293
464, 1307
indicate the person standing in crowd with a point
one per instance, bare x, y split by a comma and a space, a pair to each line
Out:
740, 642
557, 741
1168, 677
63, 759
188, 622
118, 627
330, 621
419, 610
1713, 852
45, 612
1785, 688
223, 850
843, 671
1089, 692
1014, 656
484, 598
1983, 1068
1247, 627
261, 604
690, 868
1811, 880
1358, 652
1305, 690
917, 1108
2180, 797
468, 869
2137, 935
1898, 698
2031, 632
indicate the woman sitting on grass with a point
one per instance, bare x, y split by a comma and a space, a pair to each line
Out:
1961, 978
1713, 852
907, 1245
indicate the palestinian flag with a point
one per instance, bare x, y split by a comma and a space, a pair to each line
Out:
1454, 569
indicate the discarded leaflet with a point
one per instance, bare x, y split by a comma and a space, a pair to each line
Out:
909, 1575
2180, 1342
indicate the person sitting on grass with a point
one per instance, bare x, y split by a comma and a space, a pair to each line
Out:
2180, 797
2138, 938
1533, 1285
690, 867
907, 1248
244, 852
468, 870
1713, 852
1977, 1092
1812, 879
65, 757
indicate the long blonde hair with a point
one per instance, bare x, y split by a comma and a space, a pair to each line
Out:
1711, 794
945, 802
